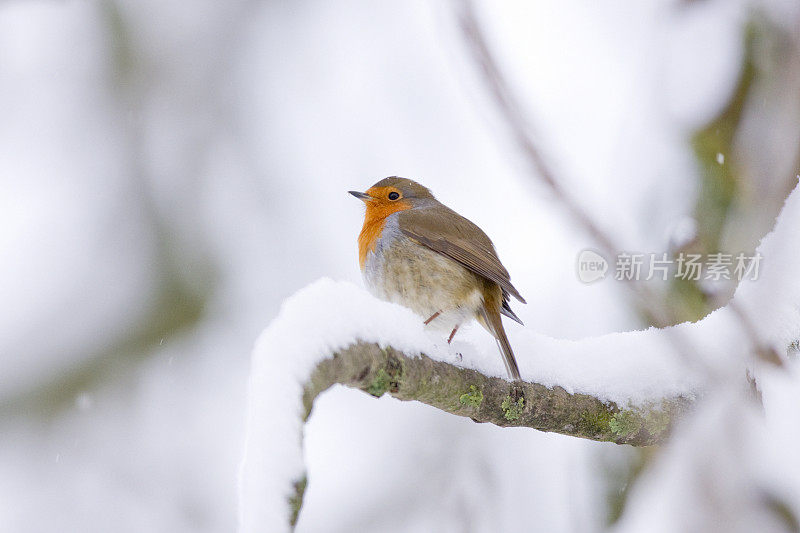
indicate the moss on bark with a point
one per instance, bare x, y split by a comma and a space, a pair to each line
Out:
466, 392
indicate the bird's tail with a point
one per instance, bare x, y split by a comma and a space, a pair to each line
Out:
492, 322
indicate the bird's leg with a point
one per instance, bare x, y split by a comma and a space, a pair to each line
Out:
452, 334
434, 315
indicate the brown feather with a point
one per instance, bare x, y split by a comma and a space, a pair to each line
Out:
444, 231
490, 319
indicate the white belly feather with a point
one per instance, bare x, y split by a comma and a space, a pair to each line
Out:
404, 272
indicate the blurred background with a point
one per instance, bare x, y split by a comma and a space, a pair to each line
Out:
171, 171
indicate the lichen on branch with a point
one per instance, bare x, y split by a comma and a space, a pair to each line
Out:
466, 392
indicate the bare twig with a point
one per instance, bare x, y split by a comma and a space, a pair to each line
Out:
511, 111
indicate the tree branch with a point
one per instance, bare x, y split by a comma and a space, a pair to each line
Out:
468, 393
511, 112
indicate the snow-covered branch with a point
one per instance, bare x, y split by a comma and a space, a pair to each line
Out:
466, 392
621, 387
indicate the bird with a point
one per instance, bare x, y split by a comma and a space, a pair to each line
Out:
415, 251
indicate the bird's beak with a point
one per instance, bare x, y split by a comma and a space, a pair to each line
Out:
361, 196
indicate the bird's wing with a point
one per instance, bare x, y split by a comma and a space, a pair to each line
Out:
444, 231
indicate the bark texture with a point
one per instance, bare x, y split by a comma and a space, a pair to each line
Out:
468, 393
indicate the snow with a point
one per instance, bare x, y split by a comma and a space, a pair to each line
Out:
245, 116
630, 368
772, 302
726, 463
317, 321
685, 463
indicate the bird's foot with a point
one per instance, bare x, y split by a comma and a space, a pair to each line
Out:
434, 315
452, 334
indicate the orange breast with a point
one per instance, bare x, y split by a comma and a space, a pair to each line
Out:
374, 221
368, 238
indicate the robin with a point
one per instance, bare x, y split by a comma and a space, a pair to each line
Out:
417, 252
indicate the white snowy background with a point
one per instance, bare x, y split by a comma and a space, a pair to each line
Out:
171, 172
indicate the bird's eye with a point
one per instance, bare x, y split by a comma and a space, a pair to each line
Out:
394, 196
